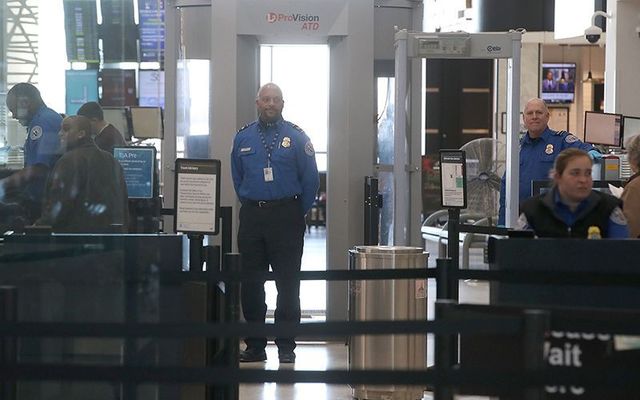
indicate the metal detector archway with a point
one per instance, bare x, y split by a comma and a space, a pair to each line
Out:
411, 48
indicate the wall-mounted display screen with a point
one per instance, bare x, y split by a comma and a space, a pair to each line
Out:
151, 88
151, 29
631, 129
118, 31
80, 27
80, 87
118, 87
603, 128
147, 122
118, 117
138, 164
558, 82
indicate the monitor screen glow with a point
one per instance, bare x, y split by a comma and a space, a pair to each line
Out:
631, 129
117, 116
147, 122
558, 82
603, 128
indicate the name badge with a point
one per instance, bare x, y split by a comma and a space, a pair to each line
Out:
268, 174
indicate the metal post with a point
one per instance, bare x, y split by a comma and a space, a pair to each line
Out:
536, 324
371, 211
400, 145
443, 265
233, 264
196, 252
453, 250
513, 127
444, 350
8, 345
226, 216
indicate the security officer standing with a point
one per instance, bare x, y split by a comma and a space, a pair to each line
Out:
276, 179
539, 148
41, 149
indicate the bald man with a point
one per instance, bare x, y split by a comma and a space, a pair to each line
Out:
539, 148
86, 191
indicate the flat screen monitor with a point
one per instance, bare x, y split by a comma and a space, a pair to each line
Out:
118, 87
631, 129
138, 164
147, 122
151, 88
603, 128
558, 82
118, 117
81, 86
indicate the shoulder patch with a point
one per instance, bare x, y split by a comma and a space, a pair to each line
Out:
571, 138
308, 149
522, 223
36, 133
245, 127
296, 127
617, 217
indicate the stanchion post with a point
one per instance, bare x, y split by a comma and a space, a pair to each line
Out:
233, 262
196, 252
453, 246
8, 344
536, 324
443, 266
444, 351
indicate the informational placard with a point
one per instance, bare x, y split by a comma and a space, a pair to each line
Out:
81, 87
81, 30
138, 164
151, 28
453, 179
197, 196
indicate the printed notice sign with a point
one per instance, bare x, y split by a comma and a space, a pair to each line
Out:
453, 179
197, 196
138, 164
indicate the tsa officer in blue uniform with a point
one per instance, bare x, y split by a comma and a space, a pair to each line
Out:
539, 148
41, 148
276, 178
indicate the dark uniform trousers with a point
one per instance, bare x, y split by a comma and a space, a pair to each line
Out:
272, 235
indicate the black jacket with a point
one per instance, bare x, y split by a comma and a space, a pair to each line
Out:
545, 221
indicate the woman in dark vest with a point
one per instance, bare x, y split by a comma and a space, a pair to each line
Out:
571, 208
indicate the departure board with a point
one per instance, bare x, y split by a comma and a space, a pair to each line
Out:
80, 26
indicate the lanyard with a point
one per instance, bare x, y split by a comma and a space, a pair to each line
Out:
269, 148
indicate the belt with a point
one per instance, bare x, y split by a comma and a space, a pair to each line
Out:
272, 203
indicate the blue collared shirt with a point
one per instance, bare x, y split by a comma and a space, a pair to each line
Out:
42, 145
292, 161
536, 161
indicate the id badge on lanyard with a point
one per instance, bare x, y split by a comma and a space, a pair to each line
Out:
268, 174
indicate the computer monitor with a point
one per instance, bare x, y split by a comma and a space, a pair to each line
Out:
151, 88
147, 122
631, 129
118, 117
603, 128
558, 82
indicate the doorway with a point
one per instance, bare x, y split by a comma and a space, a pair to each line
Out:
302, 72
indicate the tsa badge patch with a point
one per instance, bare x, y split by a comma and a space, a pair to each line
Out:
571, 139
286, 142
36, 133
617, 217
549, 149
308, 148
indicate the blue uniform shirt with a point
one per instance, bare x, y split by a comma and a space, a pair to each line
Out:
42, 146
292, 159
536, 160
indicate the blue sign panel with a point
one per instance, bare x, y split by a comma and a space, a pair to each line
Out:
151, 29
138, 164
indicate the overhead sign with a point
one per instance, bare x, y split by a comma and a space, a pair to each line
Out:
279, 18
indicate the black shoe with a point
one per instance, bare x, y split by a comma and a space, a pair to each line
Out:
287, 357
252, 355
